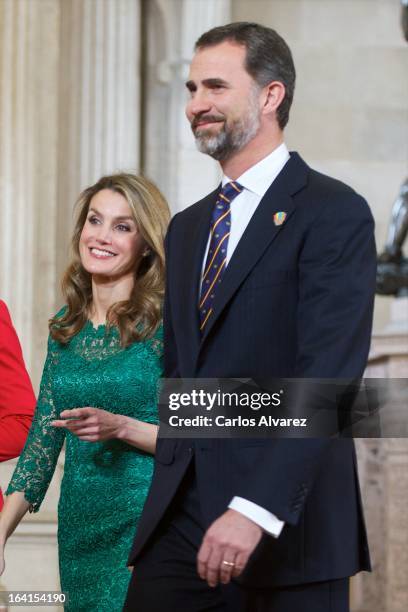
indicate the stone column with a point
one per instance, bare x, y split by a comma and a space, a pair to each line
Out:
99, 99
29, 52
170, 155
69, 112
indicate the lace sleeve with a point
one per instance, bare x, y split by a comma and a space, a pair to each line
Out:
38, 460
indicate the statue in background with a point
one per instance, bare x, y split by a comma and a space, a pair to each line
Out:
392, 270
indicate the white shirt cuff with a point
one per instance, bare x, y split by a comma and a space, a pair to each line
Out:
265, 519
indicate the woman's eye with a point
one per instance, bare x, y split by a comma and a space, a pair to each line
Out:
123, 228
93, 220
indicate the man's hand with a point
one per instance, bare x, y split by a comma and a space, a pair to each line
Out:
231, 538
90, 424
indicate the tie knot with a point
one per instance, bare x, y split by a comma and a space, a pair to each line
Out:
230, 191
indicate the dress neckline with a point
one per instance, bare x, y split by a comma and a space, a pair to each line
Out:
96, 329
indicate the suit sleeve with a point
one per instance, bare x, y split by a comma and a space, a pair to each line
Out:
337, 268
337, 271
17, 399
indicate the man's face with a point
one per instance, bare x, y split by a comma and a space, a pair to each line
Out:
224, 105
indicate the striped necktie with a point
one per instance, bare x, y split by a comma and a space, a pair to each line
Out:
217, 253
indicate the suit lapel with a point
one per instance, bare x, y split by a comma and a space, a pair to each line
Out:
259, 234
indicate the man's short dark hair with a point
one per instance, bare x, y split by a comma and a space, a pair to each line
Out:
268, 57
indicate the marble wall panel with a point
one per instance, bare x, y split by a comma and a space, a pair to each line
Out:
350, 107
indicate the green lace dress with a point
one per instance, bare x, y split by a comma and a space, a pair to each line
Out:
105, 483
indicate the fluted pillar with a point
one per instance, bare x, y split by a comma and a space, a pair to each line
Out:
69, 112
170, 155
99, 99
29, 52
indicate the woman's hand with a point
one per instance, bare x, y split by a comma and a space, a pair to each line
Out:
97, 425
2, 562
90, 424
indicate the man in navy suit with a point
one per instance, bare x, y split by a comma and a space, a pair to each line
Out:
271, 275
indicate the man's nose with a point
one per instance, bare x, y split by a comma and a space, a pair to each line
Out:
197, 105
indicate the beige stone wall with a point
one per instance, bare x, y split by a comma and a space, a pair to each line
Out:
349, 117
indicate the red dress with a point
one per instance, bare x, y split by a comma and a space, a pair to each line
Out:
17, 399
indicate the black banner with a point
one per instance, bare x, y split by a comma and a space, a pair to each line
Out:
283, 408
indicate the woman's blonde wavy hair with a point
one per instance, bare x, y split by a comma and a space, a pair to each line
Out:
138, 317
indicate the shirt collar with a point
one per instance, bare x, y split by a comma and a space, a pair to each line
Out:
259, 177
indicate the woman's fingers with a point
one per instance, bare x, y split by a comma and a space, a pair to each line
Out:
64, 422
78, 413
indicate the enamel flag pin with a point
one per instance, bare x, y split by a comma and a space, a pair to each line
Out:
279, 218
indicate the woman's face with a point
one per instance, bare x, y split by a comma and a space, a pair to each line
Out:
110, 245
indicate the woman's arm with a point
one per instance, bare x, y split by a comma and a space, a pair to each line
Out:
15, 508
38, 460
138, 433
97, 425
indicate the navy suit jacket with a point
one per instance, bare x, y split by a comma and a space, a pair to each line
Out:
296, 300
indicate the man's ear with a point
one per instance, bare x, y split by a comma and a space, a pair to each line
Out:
274, 93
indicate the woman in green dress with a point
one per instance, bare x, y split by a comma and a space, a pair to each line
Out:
98, 392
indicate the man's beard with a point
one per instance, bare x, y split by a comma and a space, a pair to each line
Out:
232, 137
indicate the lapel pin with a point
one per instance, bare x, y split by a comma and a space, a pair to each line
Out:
279, 218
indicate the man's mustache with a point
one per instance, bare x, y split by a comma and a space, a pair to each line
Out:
206, 119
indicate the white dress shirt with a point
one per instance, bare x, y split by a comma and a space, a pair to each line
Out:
255, 181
